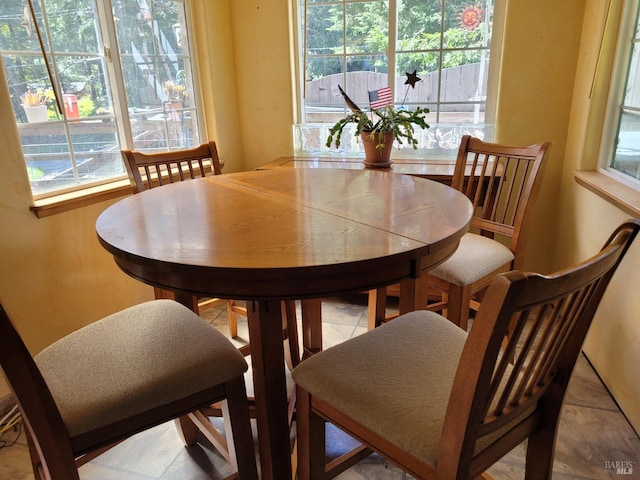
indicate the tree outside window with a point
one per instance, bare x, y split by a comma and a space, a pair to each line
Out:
366, 45
72, 117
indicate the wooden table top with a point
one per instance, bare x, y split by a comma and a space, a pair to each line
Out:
284, 233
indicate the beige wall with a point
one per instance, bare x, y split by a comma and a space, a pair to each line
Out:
244, 60
585, 220
535, 89
55, 277
217, 77
264, 86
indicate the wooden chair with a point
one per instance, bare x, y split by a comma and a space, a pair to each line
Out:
149, 170
442, 403
119, 376
503, 183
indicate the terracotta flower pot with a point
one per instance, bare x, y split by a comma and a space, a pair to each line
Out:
374, 157
173, 110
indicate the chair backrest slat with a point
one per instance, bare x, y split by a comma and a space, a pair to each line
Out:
502, 182
520, 385
147, 170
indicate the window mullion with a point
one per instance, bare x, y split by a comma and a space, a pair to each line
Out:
192, 67
51, 59
440, 60
345, 63
392, 45
114, 71
612, 131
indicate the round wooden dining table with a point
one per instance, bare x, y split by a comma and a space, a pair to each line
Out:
273, 235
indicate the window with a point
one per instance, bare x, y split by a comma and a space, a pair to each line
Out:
140, 95
621, 142
366, 45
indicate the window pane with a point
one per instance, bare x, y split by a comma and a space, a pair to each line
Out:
626, 154
367, 28
64, 17
365, 73
445, 42
427, 67
632, 92
96, 149
17, 29
466, 26
81, 145
152, 37
73, 147
29, 87
462, 82
46, 152
51, 164
320, 67
324, 29
419, 24
84, 86
322, 101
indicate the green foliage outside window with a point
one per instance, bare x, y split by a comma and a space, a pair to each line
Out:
81, 144
366, 30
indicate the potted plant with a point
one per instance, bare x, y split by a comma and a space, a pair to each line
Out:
379, 128
176, 94
35, 103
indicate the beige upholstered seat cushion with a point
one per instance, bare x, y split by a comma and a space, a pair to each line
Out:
142, 357
475, 257
394, 380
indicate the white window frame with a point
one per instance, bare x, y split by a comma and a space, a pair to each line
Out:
452, 132
613, 112
114, 74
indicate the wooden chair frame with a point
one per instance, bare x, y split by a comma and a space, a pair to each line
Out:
500, 396
57, 455
506, 183
151, 170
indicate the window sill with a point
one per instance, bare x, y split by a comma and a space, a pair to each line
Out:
88, 196
621, 195
81, 198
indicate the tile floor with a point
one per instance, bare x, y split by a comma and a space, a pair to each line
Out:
593, 432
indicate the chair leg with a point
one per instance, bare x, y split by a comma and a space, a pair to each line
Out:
310, 433
61, 466
290, 320
187, 430
377, 307
541, 444
233, 319
311, 327
238, 415
458, 305
538, 467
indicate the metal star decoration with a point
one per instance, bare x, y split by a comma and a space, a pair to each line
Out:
412, 78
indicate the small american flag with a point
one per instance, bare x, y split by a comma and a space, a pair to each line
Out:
380, 98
